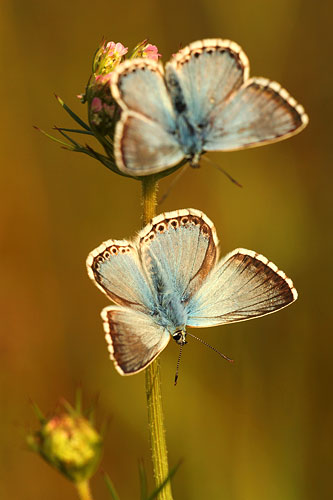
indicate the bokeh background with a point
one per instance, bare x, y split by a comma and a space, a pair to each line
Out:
257, 430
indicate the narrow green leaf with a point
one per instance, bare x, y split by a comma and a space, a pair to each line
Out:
166, 480
143, 481
110, 487
72, 114
53, 138
74, 131
78, 400
67, 137
38, 412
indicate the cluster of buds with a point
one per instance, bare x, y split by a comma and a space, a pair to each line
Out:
103, 111
69, 443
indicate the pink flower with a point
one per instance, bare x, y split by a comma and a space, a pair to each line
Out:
96, 105
103, 79
115, 49
151, 52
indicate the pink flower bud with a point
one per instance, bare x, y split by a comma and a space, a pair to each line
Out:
96, 105
151, 52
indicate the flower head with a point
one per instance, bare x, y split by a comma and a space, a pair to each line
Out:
151, 52
107, 57
146, 50
69, 443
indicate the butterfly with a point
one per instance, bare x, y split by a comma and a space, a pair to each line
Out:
204, 101
169, 278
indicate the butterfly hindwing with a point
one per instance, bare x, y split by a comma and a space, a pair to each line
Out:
116, 269
259, 113
180, 246
142, 146
134, 339
242, 286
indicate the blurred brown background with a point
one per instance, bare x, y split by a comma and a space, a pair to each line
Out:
258, 430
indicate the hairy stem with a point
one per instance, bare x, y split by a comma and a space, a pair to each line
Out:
153, 378
84, 491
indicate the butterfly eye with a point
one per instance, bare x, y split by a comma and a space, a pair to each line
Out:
123, 250
161, 228
114, 250
174, 223
195, 221
106, 254
184, 220
100, 259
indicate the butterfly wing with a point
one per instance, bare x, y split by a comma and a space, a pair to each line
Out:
242, 286
145, 140
180, 248
116, 269
210, 79
260, 112
134, 339
203, 75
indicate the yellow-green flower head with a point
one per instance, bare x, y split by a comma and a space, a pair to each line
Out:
107, 57
69, 443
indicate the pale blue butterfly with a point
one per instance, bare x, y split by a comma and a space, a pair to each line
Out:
169, 277
205, 101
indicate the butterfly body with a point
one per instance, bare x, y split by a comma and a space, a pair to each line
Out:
203, 101
169, 278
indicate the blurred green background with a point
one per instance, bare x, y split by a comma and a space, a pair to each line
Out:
257, 430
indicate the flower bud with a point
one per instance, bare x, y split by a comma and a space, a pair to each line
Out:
69, 443
101, 106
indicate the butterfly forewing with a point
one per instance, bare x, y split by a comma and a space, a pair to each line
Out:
243, 285
116, 269
180, 246
133, 337
206, 73
138, 85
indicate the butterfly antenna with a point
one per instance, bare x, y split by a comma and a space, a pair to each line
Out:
178, 362
222, 170
180, 173
208, 345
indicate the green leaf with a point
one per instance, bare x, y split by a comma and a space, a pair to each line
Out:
166, 480
67, 137
143, 481
78, 400
72, 114
38, 412
65, 144
74, 131
110, 487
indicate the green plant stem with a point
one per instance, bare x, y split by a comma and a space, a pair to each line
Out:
153, 378
84, 491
